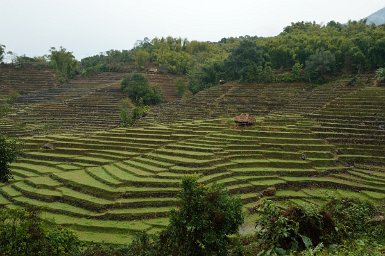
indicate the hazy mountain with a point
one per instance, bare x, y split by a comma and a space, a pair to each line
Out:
377, 18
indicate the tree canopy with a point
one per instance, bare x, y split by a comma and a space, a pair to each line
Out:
2, 51
205, 218
63, 62
139, 90
8, 154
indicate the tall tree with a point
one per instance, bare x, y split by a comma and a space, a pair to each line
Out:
63, 62
2, 51
8, 154
205, 218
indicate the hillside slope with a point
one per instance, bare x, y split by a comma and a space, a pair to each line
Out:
80, 105
377, 18
309, 143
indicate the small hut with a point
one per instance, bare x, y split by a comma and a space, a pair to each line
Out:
245, 119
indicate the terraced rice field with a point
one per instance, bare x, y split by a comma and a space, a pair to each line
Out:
309, 143
80, 105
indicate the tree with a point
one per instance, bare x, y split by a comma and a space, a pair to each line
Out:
139, 90
205, 218
22, 233
244, 60
2, 51
141, 57
319, 65
181, 87
8, 154
63, 62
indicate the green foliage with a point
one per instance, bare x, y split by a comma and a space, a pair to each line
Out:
63, 62
8, 154
63, 242
320, 64
297, 72
205, 218
22, 233
129, 115
350, 218
138, 90
205, 75
105, 250
299, 228
170, 54
5, 108
12, 96
23, 60
246, 62
143, 245
380, 74
181, 87
2, 51
359, 247
110, 61
141, 58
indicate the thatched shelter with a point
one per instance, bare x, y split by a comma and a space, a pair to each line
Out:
245, 119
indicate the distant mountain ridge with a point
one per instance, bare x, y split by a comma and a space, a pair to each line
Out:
377, 18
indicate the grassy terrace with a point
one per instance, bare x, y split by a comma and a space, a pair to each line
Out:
310, 143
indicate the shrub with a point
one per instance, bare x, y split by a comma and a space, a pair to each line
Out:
12, 96
380, 74
297, 228
205, 218
180, 87
350, 218
128, 116
138, 90
64, 63
22, 233
4, 109
297, 72
8, 154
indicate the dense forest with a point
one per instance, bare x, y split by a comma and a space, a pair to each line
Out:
303, 51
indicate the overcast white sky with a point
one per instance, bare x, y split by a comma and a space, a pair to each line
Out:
88, 27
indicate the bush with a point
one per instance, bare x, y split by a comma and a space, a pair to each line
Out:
359, 247
4, 109
139, 90
297, 72
22, 233
380, 74
128, 116
298, 228
205, 218
64, 63
180, 87
12, 96
8, 154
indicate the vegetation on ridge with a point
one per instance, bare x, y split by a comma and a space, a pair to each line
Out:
8, 154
